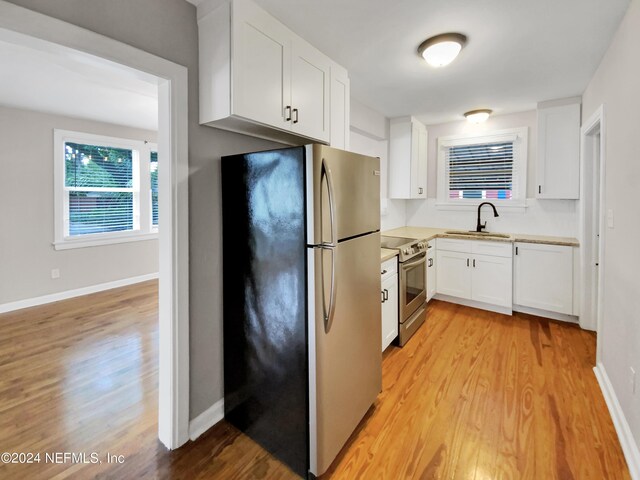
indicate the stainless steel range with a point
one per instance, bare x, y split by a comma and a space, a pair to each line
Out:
412, 255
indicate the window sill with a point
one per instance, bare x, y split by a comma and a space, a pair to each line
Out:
520, 207
103, 240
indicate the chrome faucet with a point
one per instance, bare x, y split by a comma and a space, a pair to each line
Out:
480, 226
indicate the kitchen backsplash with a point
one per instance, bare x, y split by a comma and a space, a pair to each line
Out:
541, 217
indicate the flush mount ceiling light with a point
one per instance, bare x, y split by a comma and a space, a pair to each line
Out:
442, 49
478, 116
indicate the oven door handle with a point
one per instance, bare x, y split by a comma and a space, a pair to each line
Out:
423, 259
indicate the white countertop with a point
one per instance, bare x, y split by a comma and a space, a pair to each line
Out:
387, 253
428, 233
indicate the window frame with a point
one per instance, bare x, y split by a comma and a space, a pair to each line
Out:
141, 177
519, 137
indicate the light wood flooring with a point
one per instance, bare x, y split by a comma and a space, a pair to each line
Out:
474, 395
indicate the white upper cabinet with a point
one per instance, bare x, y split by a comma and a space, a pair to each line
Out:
407, 158
340, 107
558, 165
310, 87
261, 73
259, 78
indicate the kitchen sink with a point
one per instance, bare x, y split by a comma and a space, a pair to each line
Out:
473, 233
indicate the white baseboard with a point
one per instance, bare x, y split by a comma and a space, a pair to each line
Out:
628, 443
206, 419
56, 297
563, 317
473, 303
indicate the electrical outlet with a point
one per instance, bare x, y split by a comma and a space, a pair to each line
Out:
632, 380
55, 273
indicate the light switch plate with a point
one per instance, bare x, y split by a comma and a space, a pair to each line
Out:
55, 273
610, 218
384, 206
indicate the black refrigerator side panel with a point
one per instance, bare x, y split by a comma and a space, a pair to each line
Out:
264, 306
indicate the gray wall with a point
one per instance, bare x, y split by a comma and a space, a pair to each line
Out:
616, 86
370, 136
168, 29
26, 213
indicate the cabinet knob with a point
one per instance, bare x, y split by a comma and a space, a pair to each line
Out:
295, 113
420, 190
287, 113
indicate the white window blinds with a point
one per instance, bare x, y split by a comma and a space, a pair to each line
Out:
483, 170
99, 189
153, 167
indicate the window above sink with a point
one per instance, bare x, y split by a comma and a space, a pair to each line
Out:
483, 166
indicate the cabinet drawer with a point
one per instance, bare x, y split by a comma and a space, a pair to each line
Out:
454, 245
496, 249
389, 268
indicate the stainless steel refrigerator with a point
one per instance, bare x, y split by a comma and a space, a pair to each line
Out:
301, 304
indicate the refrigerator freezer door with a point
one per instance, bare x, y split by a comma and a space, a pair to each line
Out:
345, 187
348, 364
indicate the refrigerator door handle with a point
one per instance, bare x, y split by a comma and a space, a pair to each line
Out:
328, 313
332, 207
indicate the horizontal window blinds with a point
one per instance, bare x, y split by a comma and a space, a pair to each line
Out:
481, 170
99, 185
100, 212
154, 188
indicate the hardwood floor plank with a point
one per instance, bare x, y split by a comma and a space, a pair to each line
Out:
474, 395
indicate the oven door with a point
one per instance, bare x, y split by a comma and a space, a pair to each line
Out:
413, 291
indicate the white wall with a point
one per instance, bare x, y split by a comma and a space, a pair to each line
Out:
369, 136
27, 255
542, 217
616, 85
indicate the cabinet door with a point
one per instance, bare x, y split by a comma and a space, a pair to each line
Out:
340, 108
310, 80
421, 160
407, 158
492, 280
558, 163
543, 277
453, 275
390, 311
431, 274
262, 66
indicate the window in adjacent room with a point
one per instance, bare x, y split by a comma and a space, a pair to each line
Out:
106, 190
490, 166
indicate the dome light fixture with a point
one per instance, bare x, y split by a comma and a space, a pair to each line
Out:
442, 49
478, 116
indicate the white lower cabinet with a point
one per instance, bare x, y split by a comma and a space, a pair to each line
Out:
491, 280
431, 270
543, 277
389, 298
453, 277
466, 272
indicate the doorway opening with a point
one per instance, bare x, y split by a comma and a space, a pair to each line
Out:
592, 218
26, 27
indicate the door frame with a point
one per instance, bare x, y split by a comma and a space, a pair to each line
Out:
590, 313
173, 307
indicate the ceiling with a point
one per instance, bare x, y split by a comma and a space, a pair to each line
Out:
519, 52
37, 75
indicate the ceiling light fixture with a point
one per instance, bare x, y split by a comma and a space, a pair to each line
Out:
441, 50
478, 116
